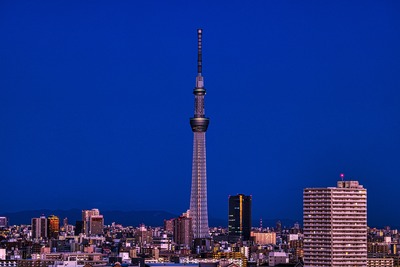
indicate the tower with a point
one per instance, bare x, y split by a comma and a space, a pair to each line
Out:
199, 124
239, 221
335, 225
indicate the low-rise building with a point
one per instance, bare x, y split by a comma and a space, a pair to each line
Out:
380, 262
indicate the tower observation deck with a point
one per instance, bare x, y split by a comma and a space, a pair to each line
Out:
199, 124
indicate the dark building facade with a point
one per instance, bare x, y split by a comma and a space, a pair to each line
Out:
239, 221
183, 234
79, 227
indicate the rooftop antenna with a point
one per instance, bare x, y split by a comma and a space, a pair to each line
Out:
342, 176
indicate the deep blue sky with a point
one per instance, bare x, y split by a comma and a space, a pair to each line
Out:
95, 100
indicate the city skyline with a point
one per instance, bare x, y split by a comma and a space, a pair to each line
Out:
96, 97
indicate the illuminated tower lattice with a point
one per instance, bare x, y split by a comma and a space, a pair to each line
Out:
199, 124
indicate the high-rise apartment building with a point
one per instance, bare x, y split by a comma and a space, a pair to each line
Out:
96, 225
53, 223
239, 221
335, 225
39, 227
199, 124
183, 234
86, 215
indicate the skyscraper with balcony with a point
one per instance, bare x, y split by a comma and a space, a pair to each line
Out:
199, 124
335, 225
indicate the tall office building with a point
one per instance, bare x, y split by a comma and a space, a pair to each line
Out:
335, 225
39, 227
53, 223
182, 229
239, 221
199, 123
96, 225
86, 214
3, 222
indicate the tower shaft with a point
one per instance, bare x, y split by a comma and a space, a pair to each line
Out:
199, 124
198, 199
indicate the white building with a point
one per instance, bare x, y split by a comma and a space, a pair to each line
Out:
293, 237
75, 259
2, 253
275, 258
125, 257
335, 225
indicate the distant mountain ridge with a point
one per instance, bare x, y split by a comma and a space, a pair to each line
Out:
126, 218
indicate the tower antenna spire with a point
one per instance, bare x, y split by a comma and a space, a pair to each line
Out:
199, 52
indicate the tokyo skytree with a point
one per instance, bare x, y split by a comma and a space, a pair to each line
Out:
199, 123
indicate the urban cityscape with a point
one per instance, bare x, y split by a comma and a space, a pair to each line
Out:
63, 150
334, 231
